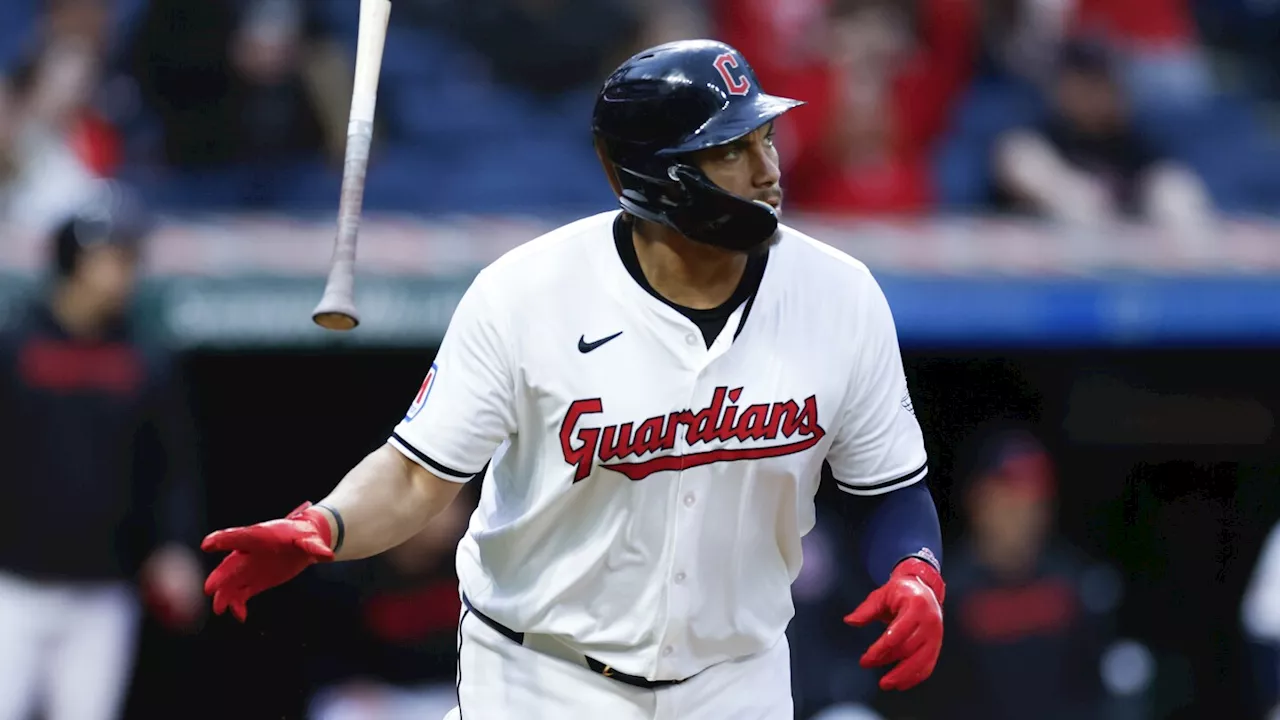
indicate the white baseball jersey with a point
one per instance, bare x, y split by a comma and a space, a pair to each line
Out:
647, 494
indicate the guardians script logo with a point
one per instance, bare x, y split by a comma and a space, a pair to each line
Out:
761, 425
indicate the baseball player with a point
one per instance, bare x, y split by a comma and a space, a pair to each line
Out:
100, 493
654, 391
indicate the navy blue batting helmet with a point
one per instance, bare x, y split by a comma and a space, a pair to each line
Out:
666, 103
114, 215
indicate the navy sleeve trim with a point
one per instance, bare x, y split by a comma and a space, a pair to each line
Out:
432, 464
894, 526
884, 485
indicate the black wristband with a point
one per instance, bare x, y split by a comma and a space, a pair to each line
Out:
342, 531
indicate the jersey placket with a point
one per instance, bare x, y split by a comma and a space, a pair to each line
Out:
687, 515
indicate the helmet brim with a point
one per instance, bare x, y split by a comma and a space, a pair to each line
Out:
736, 122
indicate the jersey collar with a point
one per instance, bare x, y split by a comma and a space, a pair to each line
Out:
746, 291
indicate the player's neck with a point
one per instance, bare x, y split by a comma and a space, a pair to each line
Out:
687, 273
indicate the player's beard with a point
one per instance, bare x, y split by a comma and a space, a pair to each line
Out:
775, 195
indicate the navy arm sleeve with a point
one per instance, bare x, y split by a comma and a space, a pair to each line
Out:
169, 459
895, 526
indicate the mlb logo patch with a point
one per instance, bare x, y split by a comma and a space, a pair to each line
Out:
421, 398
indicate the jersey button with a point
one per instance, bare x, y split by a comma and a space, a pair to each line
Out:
689, 500
666, 651
680, 576
691, 339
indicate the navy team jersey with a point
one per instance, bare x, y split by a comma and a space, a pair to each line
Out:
98, 462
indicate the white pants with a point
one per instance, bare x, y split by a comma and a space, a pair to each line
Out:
500, 680
65, 649
377, 701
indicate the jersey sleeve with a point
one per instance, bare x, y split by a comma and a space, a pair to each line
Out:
465, 407
878, 446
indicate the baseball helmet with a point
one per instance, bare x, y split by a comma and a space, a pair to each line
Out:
113, 215
666, 103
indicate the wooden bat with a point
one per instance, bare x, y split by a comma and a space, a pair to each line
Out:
337, 308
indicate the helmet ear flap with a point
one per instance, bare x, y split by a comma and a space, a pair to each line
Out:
610, 171
712, 215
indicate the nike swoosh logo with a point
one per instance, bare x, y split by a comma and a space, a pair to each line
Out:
586, 347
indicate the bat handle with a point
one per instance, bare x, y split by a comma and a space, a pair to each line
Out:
337, 307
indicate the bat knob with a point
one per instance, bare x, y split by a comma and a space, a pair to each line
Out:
335, 320
335, 314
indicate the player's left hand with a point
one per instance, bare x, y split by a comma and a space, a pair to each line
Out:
911, 603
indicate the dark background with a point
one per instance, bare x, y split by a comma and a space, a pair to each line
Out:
1181, 509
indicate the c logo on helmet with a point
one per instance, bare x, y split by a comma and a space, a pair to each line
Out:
737, 84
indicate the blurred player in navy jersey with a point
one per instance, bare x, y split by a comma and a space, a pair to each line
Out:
98, 506
1030, 617
392, 650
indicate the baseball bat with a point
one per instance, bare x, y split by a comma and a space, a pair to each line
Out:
337, 307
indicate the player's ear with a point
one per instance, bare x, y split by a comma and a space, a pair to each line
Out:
609, 170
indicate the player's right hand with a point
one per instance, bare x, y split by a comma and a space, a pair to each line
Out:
264, 556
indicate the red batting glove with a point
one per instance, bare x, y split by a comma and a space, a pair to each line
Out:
264, 556
911, 603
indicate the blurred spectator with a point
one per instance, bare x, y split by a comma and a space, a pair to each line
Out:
786, 43
784, 40
1159, 60
1023, 38
1029, 618
1163, 66
1156, 61
394, 619
243, 122
54, 144
1086, 162
99, 499
881, 79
